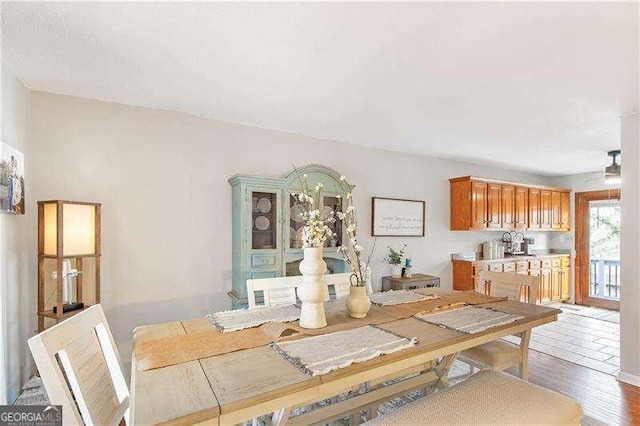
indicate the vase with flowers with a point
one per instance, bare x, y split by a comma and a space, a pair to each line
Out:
394, 259
313, 290
358, 303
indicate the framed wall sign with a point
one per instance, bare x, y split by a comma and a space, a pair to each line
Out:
391, 217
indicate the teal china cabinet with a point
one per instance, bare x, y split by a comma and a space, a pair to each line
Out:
267, 225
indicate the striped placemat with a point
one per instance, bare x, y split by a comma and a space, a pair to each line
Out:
321, 354
398, 297
239, 319
469, 319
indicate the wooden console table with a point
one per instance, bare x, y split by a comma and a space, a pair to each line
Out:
416, 281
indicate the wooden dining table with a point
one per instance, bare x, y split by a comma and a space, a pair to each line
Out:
233, 387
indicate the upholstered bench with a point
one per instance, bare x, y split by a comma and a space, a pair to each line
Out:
487, 398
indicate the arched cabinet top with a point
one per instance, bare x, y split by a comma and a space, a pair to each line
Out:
317, 173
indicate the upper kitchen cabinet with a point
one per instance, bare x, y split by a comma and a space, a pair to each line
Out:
514, 208
470, 204
479, 203
546, 208
494, 206
560, 215
475, 204
521, 209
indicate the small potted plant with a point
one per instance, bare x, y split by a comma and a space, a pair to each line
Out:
394, 258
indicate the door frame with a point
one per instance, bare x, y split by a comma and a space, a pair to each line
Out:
581, 285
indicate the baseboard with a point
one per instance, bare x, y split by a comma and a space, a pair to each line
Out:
632, 379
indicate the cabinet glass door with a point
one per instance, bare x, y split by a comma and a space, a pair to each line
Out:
296, 222
264, 228
332, 205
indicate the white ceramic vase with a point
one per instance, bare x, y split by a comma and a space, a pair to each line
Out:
313, 289
396, 271
358, 302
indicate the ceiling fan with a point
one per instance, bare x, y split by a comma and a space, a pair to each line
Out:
613, 171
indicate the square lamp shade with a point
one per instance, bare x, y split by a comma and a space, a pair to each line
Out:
71, 226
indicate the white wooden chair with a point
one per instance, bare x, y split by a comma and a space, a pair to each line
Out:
499, 354
81, 369
281, 291
340, 282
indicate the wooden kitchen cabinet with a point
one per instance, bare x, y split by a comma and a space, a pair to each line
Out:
534, 208
521, 208
549, 209
474, 205
565, 211
514, 214
544, 291
508, 207
496, 267
494, 206
522, 267
556, 219
556, 284
540, 208
480, 203
545, 286
463, 275
564, 283
545, 209
552, 270
509, 267
560, 279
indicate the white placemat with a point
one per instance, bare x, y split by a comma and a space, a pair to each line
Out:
397, 297
322, 354
469, 319
240, 319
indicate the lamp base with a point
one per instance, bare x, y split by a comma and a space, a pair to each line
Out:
68, 307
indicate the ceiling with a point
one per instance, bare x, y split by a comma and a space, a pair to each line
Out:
535, 86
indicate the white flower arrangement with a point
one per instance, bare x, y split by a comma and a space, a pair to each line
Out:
316, 230
351, 251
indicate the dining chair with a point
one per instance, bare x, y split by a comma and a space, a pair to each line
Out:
341, 284
81, 370
499, 354
281, 291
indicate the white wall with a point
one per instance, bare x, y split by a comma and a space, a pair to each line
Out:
16, 258
162, 179
578, 183
629, 252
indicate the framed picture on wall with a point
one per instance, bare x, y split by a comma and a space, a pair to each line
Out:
392, 217
11, 180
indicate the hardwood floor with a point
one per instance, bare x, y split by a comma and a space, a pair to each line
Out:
600, 394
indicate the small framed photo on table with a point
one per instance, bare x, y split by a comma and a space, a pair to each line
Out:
392, 217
